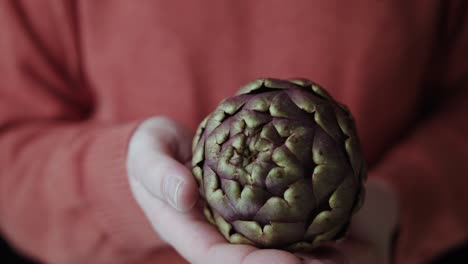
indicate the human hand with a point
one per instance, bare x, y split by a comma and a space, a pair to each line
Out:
166, 191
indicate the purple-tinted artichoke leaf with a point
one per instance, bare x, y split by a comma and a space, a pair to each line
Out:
280, 165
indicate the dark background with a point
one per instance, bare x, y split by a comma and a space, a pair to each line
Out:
457, 255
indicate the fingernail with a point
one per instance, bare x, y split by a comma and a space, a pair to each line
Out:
171, 191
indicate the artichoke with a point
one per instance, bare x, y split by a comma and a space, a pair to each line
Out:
279, 166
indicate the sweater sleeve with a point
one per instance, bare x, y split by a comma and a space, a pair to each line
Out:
64, 193
429, 168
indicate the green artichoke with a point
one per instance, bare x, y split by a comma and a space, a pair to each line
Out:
279, 166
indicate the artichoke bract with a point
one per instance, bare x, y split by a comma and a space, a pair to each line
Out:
279, 165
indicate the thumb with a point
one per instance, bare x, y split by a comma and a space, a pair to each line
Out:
171, 182
153, 162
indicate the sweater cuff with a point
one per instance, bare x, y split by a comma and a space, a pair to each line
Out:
109, 192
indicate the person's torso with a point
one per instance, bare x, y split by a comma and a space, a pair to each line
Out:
181, 58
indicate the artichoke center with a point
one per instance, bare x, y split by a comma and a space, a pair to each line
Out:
250, 153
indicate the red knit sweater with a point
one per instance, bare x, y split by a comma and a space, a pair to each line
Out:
77, 76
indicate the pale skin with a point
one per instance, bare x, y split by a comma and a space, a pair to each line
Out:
158, 168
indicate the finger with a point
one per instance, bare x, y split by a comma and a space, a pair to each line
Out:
157, 151
169, 181
378, 195
198, 241
169, 137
